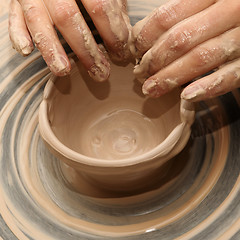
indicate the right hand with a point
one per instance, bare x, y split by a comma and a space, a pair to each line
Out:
183, 41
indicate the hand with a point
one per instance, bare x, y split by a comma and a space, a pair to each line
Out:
34, 21
184, 39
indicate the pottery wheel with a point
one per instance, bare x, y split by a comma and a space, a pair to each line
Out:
198, 199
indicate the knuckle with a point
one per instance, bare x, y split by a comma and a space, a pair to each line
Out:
203, 57
63, 12
179, 41
31, 13
165, 17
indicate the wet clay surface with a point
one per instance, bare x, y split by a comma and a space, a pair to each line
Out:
197, 199
110, 132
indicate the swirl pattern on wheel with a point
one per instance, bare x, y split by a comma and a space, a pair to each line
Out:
197, 199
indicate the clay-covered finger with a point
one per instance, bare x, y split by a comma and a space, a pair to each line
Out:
148, 30
202, 59
70, 22
45, 36
18, 32
188, 34
112, 23
218, 83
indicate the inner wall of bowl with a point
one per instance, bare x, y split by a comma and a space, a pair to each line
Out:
111, 120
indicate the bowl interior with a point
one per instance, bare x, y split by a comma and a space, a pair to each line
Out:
111, 120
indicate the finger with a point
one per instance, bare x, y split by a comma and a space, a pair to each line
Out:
184, 36
130, 45
113, 25
45, 37
123, 5
200, 60
18, 32
148, 30
70, 22
220, 82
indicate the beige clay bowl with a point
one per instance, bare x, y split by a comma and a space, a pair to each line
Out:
110, 133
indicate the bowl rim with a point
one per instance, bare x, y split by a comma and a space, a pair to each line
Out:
182, 131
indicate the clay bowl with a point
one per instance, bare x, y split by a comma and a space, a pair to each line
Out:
110, 133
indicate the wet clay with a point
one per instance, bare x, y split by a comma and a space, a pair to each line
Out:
111, 131
36, 203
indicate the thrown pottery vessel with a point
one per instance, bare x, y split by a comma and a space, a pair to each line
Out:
110, 133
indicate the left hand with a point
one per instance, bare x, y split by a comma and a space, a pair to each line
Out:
184, 39
35, 22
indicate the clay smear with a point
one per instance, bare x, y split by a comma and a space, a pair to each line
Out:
25, 187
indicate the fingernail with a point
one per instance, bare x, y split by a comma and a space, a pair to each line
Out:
100, 72
141, 71
157, 87
193, 92
150, 88
60, 66
137, 70
22, 44
26, 50
139, 77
